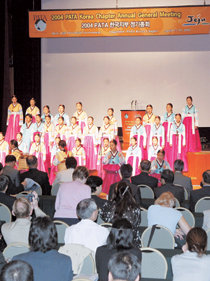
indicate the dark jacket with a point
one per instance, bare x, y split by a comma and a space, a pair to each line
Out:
40, 177
99, 201
195, 195
177, 191
7, 200
144, 178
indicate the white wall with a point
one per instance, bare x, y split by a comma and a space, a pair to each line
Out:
110, 72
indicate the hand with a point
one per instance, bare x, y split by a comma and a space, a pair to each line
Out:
179, 234
24, 183
109, 157
34, 202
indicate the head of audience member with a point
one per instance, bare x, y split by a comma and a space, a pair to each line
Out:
1, 168
126, 171
178, 165
4, 181
121, 235
13, 144
71, 163
43, 235
87, 209
166, 199
145, 166
206, 178
62, 145
95, 184
16, 271
10, 160
124, 266
196, 241
167, 176
32, 162
80, 174
22, 208
123, 198
160, 155
113, 145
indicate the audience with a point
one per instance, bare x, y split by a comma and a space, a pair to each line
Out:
18, 230
144, 177
193, 264
119, 240
195, 195
87, 232
179, 178
162, 213
124, 266
45, 260
159, 164
167, 179
64, 175
123, 205
17, 271
70, 194
13, 174
126, 173
38, 176
95, 183
5, 198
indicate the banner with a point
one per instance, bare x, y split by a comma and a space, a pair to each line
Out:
120, 22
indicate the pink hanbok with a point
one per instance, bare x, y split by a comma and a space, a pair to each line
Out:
4, 151
14, 121
90, 135
133, 157
81, 119
38, 149
139, 133
73, 133
79, 154
178, 143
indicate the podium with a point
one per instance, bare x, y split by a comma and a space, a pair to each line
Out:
128, 121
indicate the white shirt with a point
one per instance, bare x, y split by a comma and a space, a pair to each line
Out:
86, 233
189, 266
164, 216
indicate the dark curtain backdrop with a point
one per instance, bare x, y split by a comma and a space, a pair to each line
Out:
20, 52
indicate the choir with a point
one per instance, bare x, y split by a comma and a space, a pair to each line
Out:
52, 139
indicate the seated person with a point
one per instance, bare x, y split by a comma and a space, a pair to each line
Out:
17, 270
64, 175
120, 240
87, 232
144, 177
159, 164
5, 198
124, 206
95, 183
18, 230
195, 195
45, 260
38, 176
70, 194
162, 213
126, 172
124, 266
193, 264
179, 178
167, 179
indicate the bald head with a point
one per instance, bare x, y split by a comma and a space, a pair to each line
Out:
22, 208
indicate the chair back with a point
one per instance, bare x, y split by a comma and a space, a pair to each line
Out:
144, 221
162, 238
177, 204
107, 225
208, 239
99, 219
61, 229
15, 249
146, 191
154, 264
187, 215
185, 191
83, 262
5, 214
202, 204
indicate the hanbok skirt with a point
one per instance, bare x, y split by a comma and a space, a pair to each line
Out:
134, 162
168, 152
111, 176
71, 143
193, 143
91, 153
13, 127
178, 151
140, 143
2, 157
